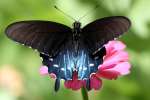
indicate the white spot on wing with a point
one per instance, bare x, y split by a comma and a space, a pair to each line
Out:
84, 68
69, 68
51, 59
55, 65
80, 68
35, 50
41, 58
62, 69
91, 65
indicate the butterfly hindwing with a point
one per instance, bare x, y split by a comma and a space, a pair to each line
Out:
45, 36
99, 32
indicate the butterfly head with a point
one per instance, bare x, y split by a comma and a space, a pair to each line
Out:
76, 25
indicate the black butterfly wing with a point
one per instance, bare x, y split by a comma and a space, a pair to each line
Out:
45, 36
99, 32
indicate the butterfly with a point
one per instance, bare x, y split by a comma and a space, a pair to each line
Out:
67, 50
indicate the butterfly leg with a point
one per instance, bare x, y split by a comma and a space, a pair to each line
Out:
51, 69
88, 85
57, 84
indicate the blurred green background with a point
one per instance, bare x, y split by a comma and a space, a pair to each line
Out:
19, 65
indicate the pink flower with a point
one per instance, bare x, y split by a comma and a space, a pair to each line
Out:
115, 64
95, 82
44, 71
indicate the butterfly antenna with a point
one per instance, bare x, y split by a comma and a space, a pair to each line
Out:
88, 12
98, 5
64, 13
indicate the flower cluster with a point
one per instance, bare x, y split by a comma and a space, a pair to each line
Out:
115, 64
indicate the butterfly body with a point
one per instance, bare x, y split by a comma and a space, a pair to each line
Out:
66, 50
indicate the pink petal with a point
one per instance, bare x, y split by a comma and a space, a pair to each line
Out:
115, 46
108, 74
68, 84
74, 84
43, 70
95, 82
52, 75
123, 68
118, 45
103, 67
117, 57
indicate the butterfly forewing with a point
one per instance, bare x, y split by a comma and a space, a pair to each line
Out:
45, 36
99, 32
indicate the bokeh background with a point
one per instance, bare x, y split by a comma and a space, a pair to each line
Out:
19, 65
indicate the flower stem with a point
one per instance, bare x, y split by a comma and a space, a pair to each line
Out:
84, 93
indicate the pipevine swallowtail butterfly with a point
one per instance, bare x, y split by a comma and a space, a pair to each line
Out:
64, 49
